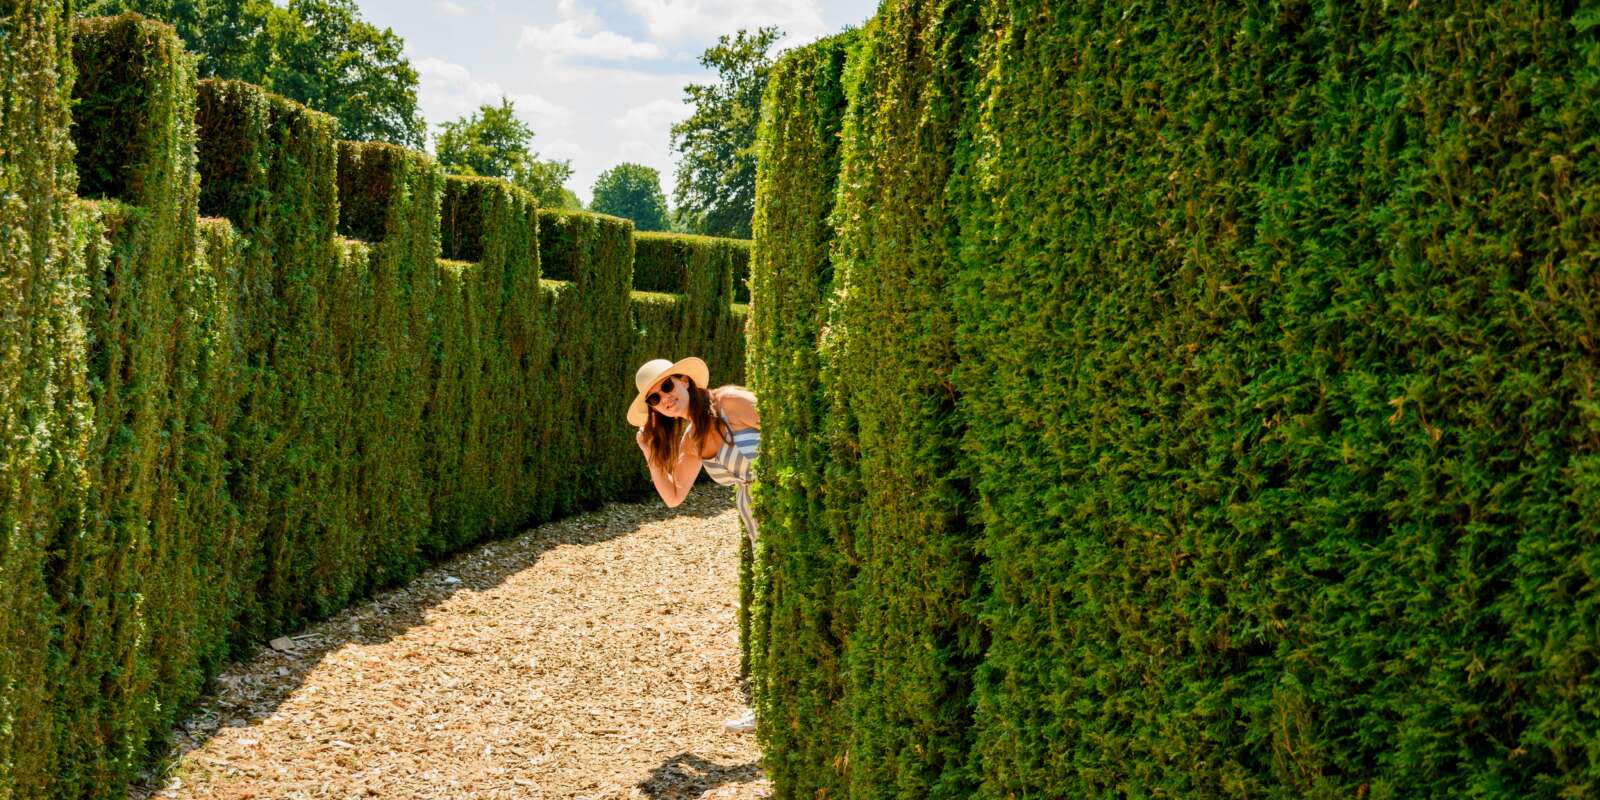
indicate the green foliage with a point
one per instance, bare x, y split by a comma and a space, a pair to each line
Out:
1250, 355
594, 253
741, 271
1300, 461
909, 660
43, 397
715, 192
318, 52
137, 257
568, 199
493, 143
216, 429
702, 266
800, 624
270, 167
334, 61
632, 191
488, 411
389, 196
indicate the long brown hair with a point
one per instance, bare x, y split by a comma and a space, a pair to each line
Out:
664, 434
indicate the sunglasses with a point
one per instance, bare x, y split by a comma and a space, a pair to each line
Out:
666, 386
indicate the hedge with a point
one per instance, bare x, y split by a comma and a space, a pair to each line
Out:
914, 639
595, 253
43, 397
269, 166
389, 197
1251, 352
494, 353
1315, 458
677, 262
131, 77
801, 617
217, 428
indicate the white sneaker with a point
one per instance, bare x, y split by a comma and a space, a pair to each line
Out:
743, 723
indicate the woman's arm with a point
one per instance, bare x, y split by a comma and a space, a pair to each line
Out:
673, 486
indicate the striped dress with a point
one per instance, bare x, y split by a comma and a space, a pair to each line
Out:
735, 465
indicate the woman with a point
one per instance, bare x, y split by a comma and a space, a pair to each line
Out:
685, 426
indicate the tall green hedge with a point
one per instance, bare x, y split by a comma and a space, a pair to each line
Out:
209, 550
43, 414
595, 253
915, 639
135, 142
1290, 484
389, 197
217, 428
1251, 352
269, 167
495, 347
801, 618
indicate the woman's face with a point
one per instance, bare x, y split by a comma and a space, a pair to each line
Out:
673, 392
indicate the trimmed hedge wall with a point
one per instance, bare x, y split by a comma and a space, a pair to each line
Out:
389, 197
801, 621
270, 166
595, 253
503, 346
138, 260
1252, 353
914, 639
710, 268
44, 413
1314, 463
218, 428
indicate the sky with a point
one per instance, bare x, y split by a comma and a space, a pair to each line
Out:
599, 81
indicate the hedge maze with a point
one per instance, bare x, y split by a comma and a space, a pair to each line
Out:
249, 373
1171, 401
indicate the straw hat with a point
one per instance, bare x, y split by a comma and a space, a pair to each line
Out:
652, 371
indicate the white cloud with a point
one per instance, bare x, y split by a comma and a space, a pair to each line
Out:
540, 112
559, 150
655, 115
600, 83
679, 20
446, 92
580, 34
650, 154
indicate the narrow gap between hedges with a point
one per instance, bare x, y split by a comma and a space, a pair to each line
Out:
592, 657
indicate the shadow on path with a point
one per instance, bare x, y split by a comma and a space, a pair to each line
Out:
687, 775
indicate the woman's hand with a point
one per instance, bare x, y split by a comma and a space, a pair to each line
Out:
644, 444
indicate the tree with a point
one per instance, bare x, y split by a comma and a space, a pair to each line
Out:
317, 52
333, 61
632, 191
716, 186
493, 142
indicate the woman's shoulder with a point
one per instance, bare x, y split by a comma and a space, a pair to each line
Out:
738, 403
737, 394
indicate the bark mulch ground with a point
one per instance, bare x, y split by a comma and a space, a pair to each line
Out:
593, 657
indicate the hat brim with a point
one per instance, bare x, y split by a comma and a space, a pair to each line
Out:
692, 366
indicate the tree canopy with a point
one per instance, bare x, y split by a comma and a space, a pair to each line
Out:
493, 142
317, 52
716, 173
632, 191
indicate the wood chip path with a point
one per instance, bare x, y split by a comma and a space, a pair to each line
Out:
594, 657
